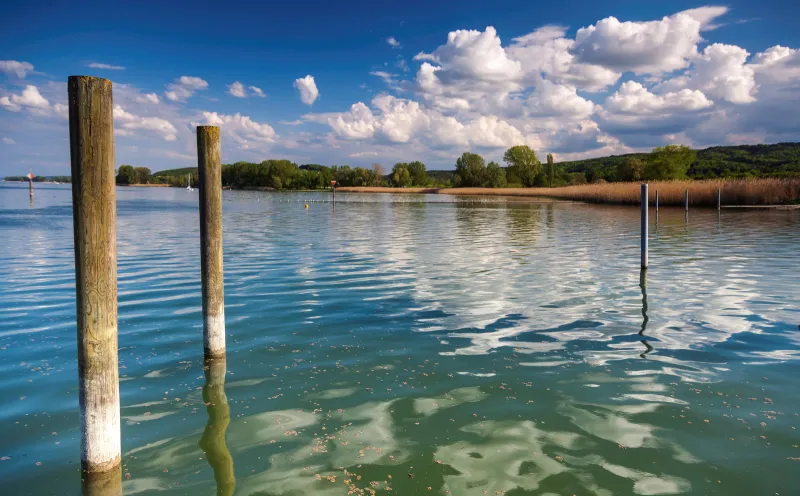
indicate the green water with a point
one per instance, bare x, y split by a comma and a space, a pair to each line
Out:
414, 343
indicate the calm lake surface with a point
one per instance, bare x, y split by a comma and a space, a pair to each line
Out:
421, 343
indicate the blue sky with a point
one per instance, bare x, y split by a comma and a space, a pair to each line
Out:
366, 82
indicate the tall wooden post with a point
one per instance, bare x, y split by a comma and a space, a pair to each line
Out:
686, 200
645, 222
719, 199
213, 441
210, 183
91, 138
30, 187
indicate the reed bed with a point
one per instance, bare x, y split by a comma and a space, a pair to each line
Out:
767, 191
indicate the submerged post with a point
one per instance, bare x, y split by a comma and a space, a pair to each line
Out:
91, 139
209, 174
645, 222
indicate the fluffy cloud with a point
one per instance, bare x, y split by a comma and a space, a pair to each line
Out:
18, 69
237, 89
720, 71
397, 120
550, 99
148, 98
644, 47
392, 41
244, 131
29, 98
633, 98
184, 87
97, 65
307, 88
126, 123
8, 141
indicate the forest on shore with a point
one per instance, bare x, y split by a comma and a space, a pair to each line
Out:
521, 168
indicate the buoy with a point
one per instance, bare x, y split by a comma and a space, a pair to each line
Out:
306, 205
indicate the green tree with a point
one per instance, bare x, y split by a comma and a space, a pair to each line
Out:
578, 178
632, 169
495, 176
669, 162
126, 175
470, 170
142, 175
551, 170
400, 176
523, 159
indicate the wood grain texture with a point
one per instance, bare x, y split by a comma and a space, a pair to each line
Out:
91, 133
210, 184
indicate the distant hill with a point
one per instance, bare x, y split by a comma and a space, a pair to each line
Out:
779, 160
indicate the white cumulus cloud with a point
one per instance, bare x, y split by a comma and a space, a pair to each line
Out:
307, 88
245, 132
18, 69
184, 87
633, 98
392, 41
29, 98
257, 91
125, 123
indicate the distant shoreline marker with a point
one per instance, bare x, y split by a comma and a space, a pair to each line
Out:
656, 206
210, 184
645, 221
686, 200
91, 137
30, 177
719, 199
333, 187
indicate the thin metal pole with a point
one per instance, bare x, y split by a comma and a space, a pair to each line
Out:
656, 206
719, 198
210, 183
645, 221
686, 200
94, 211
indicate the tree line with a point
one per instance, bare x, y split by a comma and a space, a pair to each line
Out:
521, 168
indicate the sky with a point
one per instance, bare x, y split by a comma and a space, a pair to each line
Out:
360, 83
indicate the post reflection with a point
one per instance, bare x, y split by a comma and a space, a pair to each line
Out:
102, 484
645, 318
213, 441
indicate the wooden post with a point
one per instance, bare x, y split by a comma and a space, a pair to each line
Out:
719, 199
686, 200
91, 139
213, 441
210, 183
645, 221
30, 187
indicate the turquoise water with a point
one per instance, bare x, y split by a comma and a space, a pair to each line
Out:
418, 343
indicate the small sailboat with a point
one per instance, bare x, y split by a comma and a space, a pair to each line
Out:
189, 184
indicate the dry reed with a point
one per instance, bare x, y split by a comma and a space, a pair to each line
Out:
766, 191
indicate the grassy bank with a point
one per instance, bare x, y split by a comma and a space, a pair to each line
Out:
701, 193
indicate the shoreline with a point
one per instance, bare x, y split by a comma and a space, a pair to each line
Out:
738, 193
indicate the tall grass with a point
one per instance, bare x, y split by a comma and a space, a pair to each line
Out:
766, 191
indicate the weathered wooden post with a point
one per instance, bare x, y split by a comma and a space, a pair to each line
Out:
719, 199
91, 138
686, 200
213, 441
645, 221
209, 173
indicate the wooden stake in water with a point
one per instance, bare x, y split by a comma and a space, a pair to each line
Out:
719, 199
209, 173
91, 139
686, 200
645, 221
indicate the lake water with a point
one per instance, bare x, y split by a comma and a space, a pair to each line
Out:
418, 343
